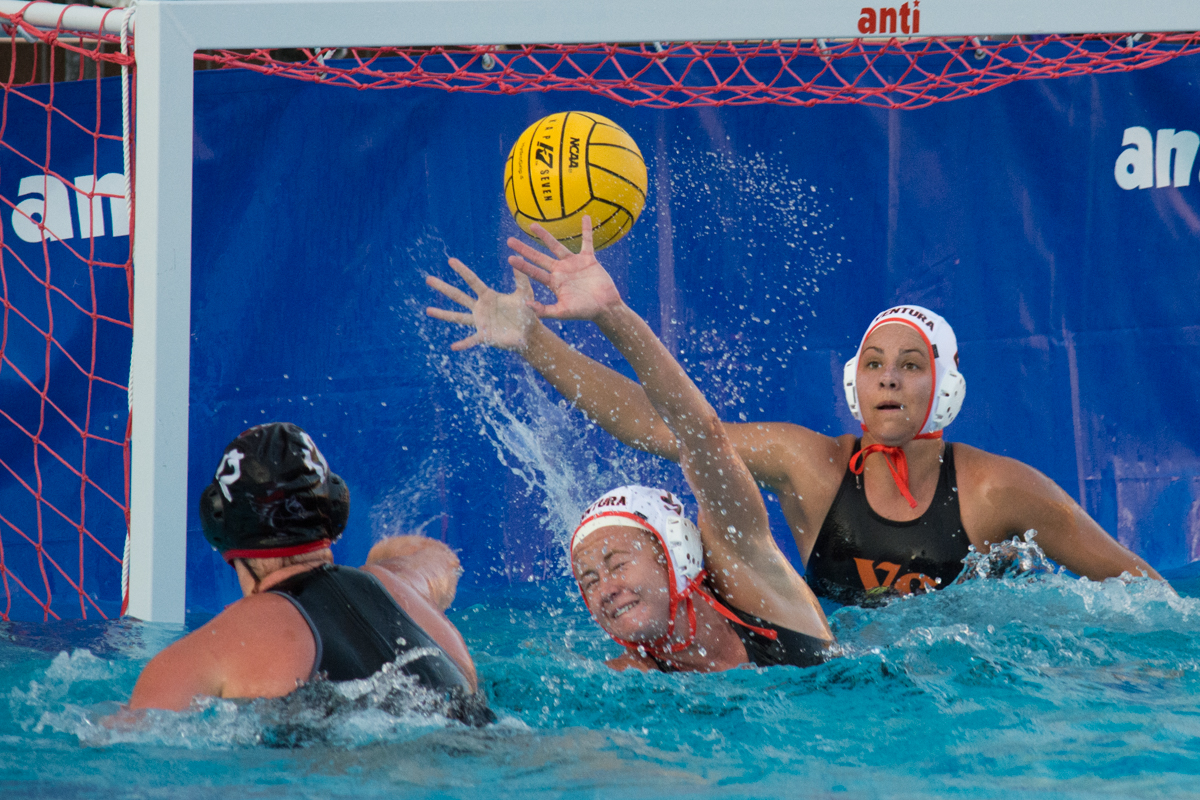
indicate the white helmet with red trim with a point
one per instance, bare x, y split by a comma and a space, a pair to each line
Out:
950, 387
657, 512
660, 514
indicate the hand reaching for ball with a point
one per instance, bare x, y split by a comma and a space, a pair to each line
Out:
582, 287
499, 320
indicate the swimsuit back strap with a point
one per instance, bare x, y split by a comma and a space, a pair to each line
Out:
729, 615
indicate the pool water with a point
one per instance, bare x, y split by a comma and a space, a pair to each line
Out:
1038, 685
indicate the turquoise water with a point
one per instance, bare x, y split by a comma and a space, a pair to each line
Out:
1041, 686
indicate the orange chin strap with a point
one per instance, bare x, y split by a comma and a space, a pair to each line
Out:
659, 646
896, 460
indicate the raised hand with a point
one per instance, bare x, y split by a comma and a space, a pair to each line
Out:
581, 286
499, 320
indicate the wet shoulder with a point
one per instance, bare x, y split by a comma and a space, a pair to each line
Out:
262, 644
819, 457
264, 610
981, 472
995, 492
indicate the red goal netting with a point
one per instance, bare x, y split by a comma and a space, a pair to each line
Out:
65, 246
65, 325
895, 73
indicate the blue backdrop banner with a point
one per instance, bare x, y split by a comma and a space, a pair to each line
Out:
1055, 224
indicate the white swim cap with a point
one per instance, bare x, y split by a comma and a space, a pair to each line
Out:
949, 385
660, 513
657, 512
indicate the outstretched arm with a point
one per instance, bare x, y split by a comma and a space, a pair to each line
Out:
773, 452
1010, 498
612, 401
746, 565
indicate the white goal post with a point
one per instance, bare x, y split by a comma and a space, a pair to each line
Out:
168, 32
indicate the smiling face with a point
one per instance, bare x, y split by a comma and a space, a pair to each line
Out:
622, 572
895, 383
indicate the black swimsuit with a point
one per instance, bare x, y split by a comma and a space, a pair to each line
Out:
358, 627
789, 648
860, 557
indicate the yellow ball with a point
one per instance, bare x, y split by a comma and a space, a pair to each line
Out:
571, 164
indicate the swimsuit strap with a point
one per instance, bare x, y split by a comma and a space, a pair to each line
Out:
729, 615
897, 463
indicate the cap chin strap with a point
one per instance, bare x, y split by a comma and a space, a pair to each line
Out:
897, 462
661, 646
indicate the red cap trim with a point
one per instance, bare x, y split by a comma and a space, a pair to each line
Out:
932, 360
277, 552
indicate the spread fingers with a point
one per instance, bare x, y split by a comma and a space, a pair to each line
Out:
521, 265
554, 245
464, 272
457, 317
452, 292
534, 255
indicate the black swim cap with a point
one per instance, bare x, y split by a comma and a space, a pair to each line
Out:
273, 496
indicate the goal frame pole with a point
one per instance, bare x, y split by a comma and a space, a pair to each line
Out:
168, 32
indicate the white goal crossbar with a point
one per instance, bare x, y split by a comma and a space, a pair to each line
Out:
168, 32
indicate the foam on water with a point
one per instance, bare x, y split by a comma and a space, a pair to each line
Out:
993, 687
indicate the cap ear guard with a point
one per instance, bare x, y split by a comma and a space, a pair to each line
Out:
212, 514
339, 505
951, 391
850, 384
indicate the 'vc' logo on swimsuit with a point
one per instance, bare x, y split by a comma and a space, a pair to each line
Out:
908, 583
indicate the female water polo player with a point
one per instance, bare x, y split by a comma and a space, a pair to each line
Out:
273, 511
677, 596
891, 512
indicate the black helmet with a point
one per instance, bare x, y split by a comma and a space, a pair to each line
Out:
273, 496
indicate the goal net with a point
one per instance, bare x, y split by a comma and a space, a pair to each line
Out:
65, 246
65, 277
904, 73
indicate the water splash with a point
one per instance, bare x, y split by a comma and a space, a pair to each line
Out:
562, 460
1013, 687
1017, 558
388, 706
777, 237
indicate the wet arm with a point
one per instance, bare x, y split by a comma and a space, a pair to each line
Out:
746, 564
1021, 498
617, 404
427, 565
176, 675
608, 398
